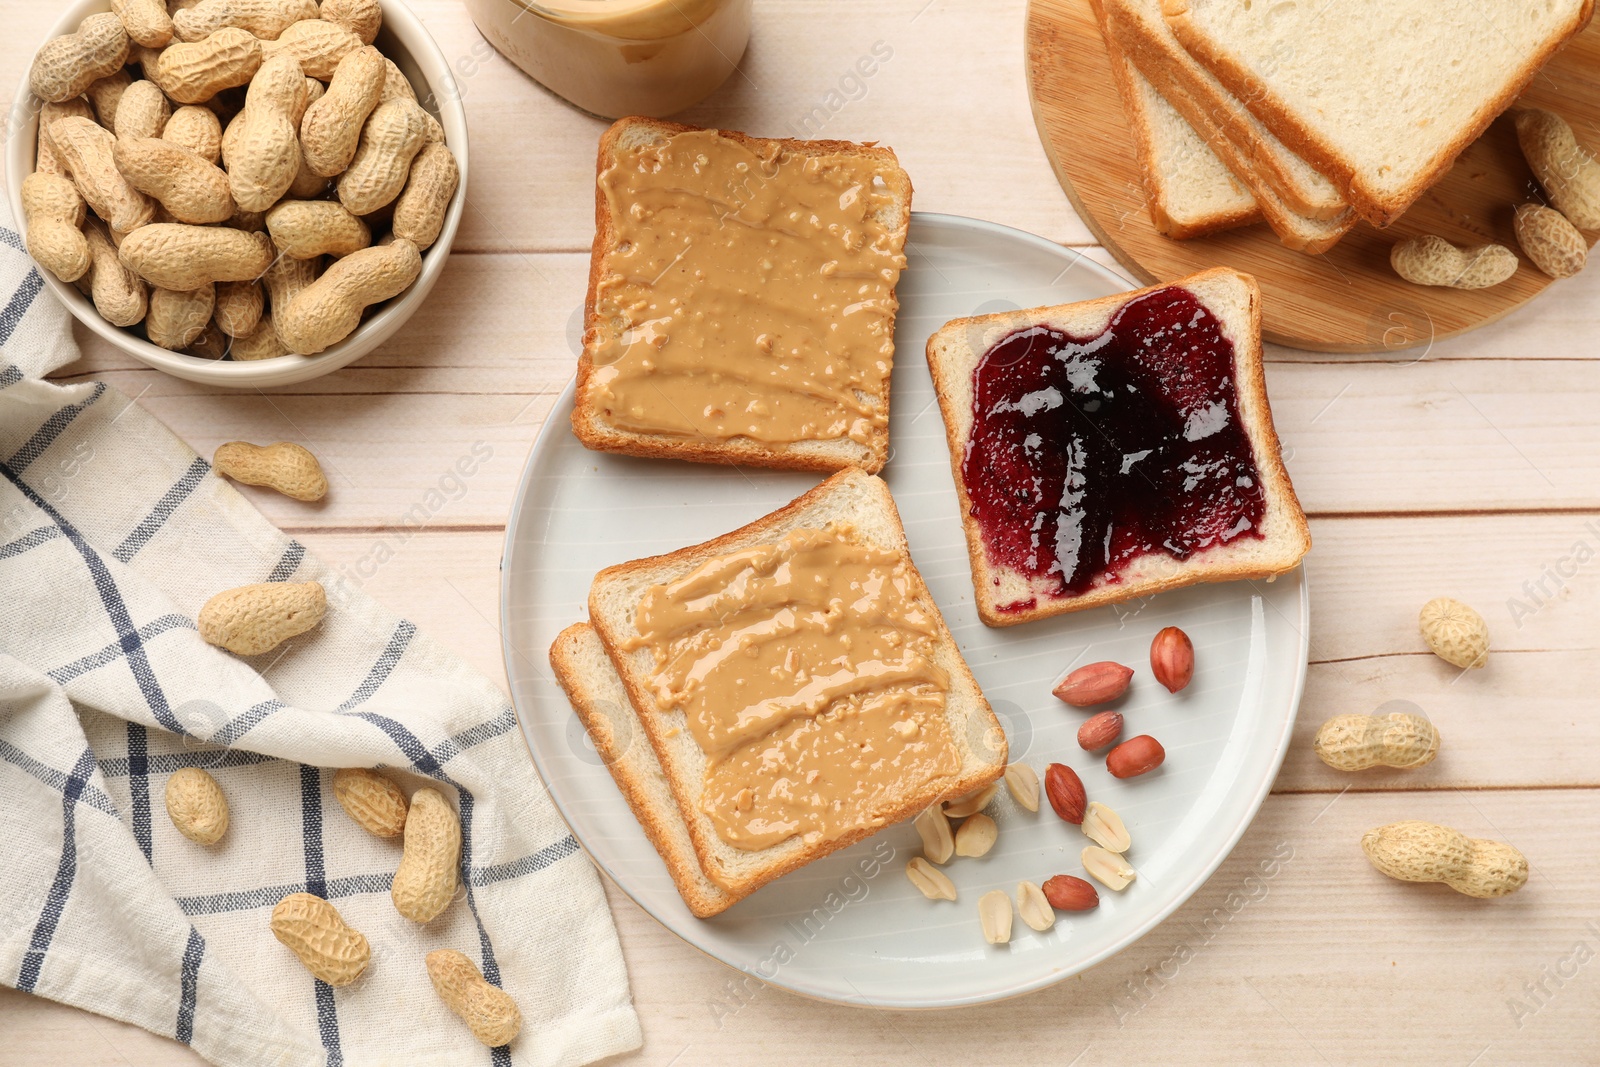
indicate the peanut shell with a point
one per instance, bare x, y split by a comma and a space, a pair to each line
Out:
67, 66
193, 73
254, 619
488, 1010
428, 875
1359, 742
376, 804
1554, 244
197, 805
285, 467
55, 214
265, 19
176, 320
1568, 171
314, 931
1424, 852
1455, 632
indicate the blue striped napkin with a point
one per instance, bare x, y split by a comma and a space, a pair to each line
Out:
113, 533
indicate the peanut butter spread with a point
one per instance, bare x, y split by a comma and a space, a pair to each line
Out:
745, 295
804, 669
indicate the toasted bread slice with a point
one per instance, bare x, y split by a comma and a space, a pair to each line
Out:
1191, 192
1242, 139
1006, 596
852, 497
589, 420
585, 672
1380, 97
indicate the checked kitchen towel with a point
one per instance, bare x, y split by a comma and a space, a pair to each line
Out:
113, 533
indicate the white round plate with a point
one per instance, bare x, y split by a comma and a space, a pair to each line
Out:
850, 927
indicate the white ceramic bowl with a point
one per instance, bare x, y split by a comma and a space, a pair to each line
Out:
403, 39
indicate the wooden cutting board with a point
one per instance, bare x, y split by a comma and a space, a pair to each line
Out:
1348, 299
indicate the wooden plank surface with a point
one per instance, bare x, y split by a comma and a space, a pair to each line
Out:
1468, 469
1508, 428
1295, 952
956, 64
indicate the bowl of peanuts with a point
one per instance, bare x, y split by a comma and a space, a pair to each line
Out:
239, 195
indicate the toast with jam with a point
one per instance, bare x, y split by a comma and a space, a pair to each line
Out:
1115, 448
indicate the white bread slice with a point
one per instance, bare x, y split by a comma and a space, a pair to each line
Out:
1260, 158
591, 683
1380, 97
954, 353
1254, 156
590, 424
1298, 232
1190, 192
852, 497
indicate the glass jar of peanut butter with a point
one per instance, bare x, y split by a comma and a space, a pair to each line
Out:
621, 57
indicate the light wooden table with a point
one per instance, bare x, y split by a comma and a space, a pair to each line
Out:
1470, 470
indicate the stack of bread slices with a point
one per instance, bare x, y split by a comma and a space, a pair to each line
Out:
1312, 116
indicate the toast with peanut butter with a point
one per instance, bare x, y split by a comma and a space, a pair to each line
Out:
796, 682
742, 298
592, 685
1115, 448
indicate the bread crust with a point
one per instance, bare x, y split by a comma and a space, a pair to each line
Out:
791, 854
739, 451
1376, 207
1254, 411
1163, 220
1296, 230
662, 827
1174, 73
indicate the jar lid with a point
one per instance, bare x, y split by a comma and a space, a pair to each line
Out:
633, 20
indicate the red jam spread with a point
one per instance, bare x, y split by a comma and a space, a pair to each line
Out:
1089, 452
